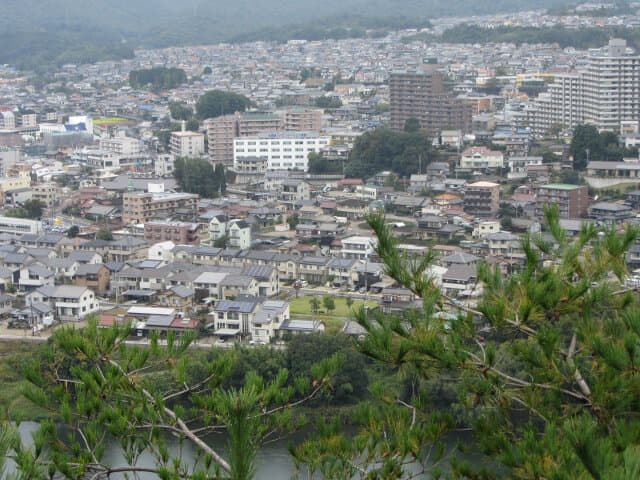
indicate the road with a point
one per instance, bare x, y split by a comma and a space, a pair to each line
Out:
203, 343
315, 291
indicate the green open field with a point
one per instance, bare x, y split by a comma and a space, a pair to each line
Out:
334, 320
111, 121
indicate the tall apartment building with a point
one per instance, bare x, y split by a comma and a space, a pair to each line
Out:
142, 207
572, 200
186, 144
605, 94
482, 199
283, 150
221, 131
180, 233
303, 119
420, 94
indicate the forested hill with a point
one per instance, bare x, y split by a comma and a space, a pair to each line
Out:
224, 18
69, 31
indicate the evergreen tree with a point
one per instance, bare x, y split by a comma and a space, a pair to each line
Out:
98, 388
197, 175
544, 369
215, 103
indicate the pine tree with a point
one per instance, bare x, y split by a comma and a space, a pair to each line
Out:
100, 388
544, 369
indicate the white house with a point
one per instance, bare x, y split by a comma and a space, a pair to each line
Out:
161, 251
70, 303
163, 164
268, 320
481, 157
239, 234
482, 229
217, 228
518, 165
358, 247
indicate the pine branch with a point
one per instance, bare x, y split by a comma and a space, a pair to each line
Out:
184, 429
188, 389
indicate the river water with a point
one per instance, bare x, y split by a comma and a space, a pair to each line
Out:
273, 461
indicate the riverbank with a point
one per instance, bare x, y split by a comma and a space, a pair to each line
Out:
14, 355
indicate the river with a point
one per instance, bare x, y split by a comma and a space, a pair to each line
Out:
273, 461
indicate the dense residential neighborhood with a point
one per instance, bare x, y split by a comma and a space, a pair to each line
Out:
106, 209
351, 239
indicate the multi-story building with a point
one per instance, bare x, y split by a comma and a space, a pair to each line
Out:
559, 105
8, 158
186, 144
610, 212
10, 186
303, 119
27, 119
239, 234
221, 131
71, 303
357, 247
163, 165
250, 166
605, 93
250, 317
180, 233
217, 228
253, 123
294, 191
142, 207
19, 226
121, 145
45, 193
518, 165
7, 120
94, 276
572, 200
611, 87
482, 199
481, 157
420, 94
108, 160
283, 150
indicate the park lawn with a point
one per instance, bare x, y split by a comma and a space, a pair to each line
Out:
301, 306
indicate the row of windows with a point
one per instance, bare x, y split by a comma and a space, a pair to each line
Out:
287, 164
284, 142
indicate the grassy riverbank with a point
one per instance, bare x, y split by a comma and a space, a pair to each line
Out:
14, 355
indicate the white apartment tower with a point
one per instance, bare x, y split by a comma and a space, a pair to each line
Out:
611, 87
605, 93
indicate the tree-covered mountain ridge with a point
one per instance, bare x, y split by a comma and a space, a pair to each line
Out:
154, 22
44, 34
